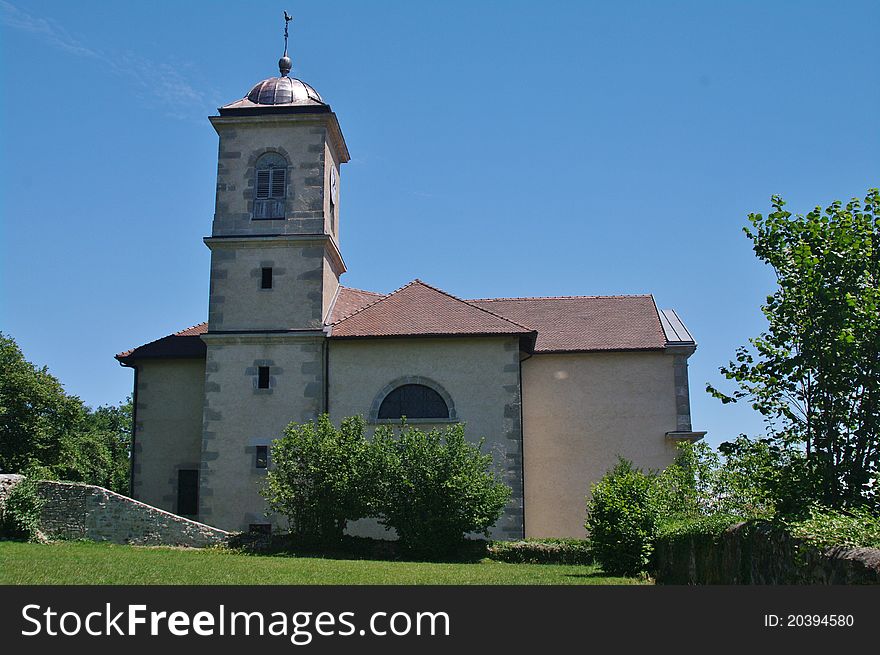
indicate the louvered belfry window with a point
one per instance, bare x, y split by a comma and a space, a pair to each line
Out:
271, 186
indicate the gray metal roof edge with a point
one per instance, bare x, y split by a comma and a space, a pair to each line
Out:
674, 328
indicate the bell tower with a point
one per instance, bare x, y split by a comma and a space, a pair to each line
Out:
275, 268
277, 208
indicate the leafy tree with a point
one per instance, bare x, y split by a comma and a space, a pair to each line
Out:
701, 483
689, 487
35, 413
764, 477
320, 477
110, 429
43, 429
435, 487
814, 373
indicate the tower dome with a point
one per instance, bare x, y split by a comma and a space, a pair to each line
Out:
283, 90
278, 95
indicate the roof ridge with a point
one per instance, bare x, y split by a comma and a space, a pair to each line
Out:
440, 291
187, 329
618, 295
372, 293
126, 353
503, 318
375, 302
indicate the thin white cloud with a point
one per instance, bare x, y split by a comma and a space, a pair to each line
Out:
162, 81
45, 28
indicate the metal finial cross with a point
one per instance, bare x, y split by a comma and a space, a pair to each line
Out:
287, 19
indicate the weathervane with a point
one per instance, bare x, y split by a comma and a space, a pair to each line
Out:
284, 64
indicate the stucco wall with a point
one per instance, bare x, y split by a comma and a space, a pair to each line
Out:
238, 416
580, 411
481, 375
168, 431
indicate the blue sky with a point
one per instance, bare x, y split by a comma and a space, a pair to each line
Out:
498, 149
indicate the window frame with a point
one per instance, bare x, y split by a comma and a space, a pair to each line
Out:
268, 205
264, 377
373, 414
267, 278
264, 460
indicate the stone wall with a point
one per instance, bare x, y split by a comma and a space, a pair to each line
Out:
238, 415
760, 553
7, 481
82, 511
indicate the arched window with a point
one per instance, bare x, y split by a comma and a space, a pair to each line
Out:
271, 186
413, 401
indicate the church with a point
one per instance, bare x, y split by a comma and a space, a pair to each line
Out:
558, 387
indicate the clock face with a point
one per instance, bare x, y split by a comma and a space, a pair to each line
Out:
334, 186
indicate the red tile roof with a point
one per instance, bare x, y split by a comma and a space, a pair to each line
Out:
418, 309
585, 323
349, 300
562, 323
193, 331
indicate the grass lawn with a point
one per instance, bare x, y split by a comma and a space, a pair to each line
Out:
96, 563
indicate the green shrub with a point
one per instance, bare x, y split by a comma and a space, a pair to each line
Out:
321, 477
542, 551
710, 526
434, 488
827, 528
696, 497
20, 513
623, 515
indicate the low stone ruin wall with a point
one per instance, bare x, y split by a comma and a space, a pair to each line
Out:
760, 553
82, 511
7, 481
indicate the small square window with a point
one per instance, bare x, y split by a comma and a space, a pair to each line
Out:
263, 377
266, 278
260, 528
262, 459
